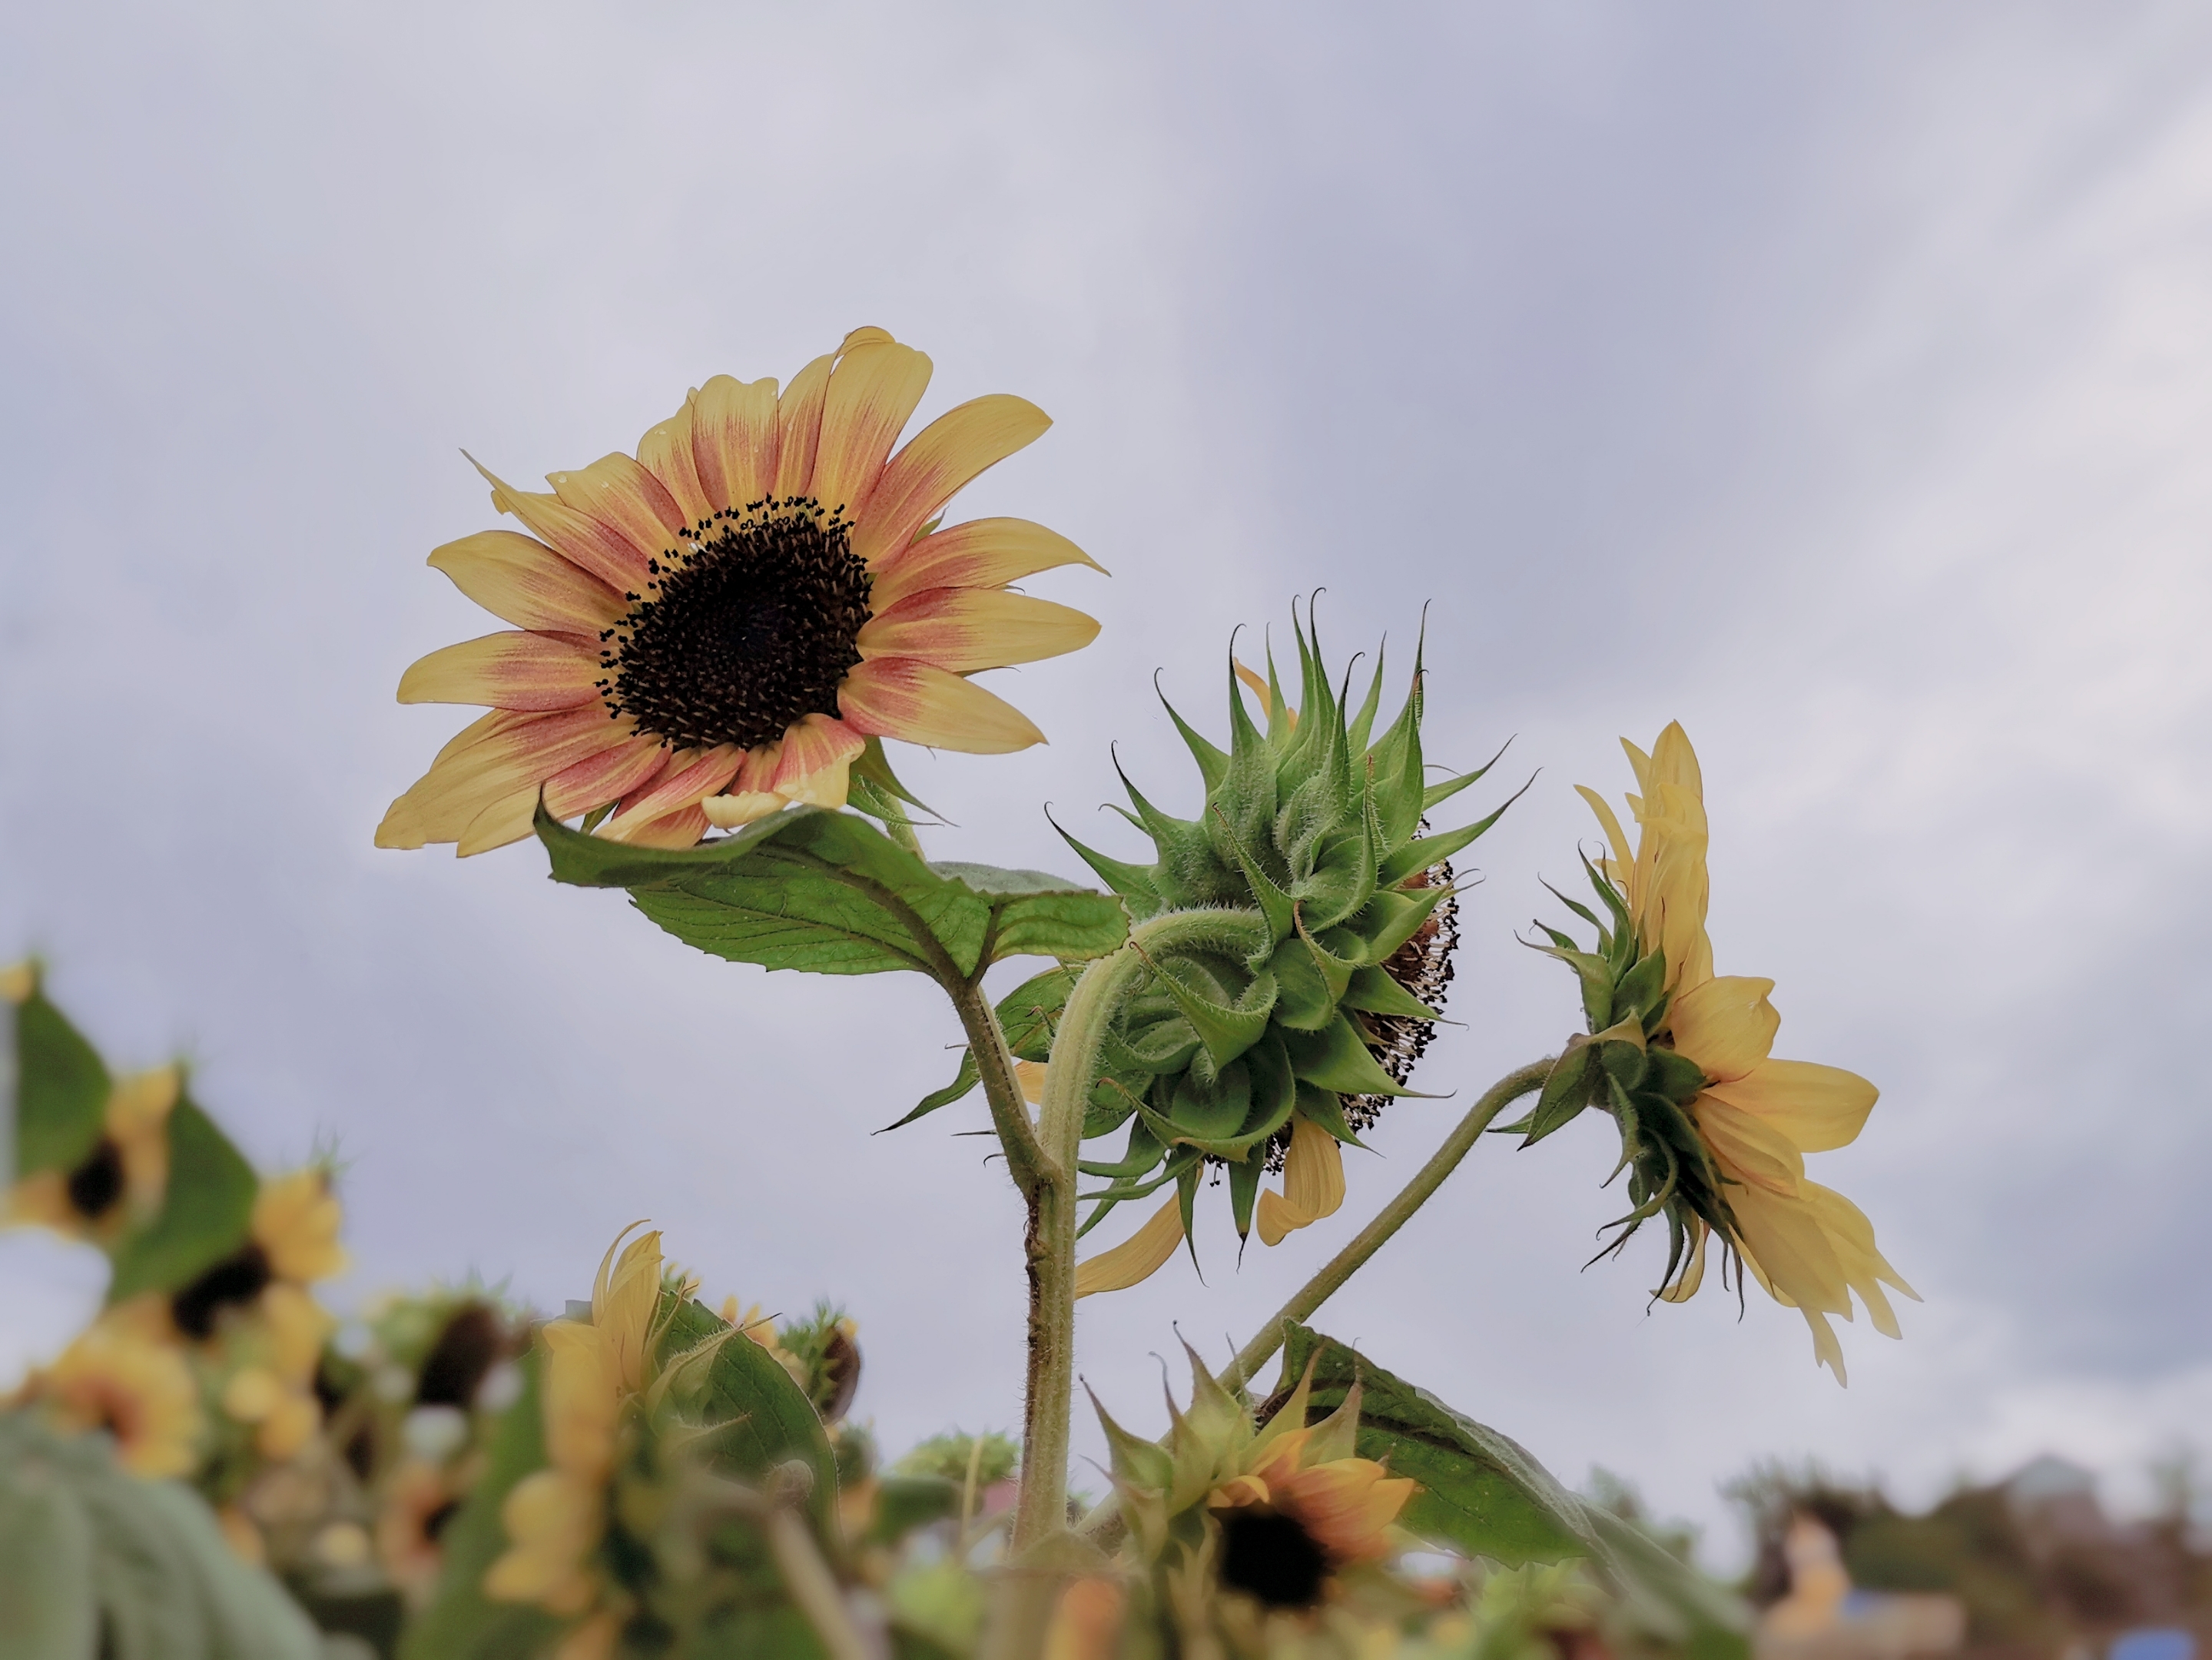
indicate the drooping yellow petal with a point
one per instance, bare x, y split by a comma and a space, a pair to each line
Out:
1726, 1025
1785, 1238
1684, 1284
519, 579
1819, 1108
1313, 1170
1031, 1075
1277, 1218
512, 671
733, 441
919, 703
1751, 1149
964, 631
1136, 1258
938, 462
983, 553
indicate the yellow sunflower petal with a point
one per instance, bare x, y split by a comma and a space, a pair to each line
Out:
1313, 1170
983, 553
508, 752
666, 451
1684, 1284
939, 461
1726, 1025
536, 672
607, 776
798, 426
734, 440
741, 807
626, 498
873, 390
606, 553
815, 764
682, 828
1610, 823
1752, 1149
502, 824
1277, 1218
583, 1397
919, 703
623, 1300
968, 629
295, 1221
1783, 1238
1819, 1108
519, 579
689, 779
1136, 1258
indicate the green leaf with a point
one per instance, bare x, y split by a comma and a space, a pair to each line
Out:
206, 1210
461, 1623
829, 893
765, 1416
1484, 1494
1336, 1058
962, 1082
94, 1558
46, 1606
61, 1090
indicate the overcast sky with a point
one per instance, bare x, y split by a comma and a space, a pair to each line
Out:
1838, 381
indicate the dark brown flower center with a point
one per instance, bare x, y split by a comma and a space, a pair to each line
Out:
96, 1184
231, 1283
747, 627
1423, 966
1271, 1556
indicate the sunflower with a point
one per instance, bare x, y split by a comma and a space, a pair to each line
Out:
719, 627
116, 1378
1754, 1117
556, 1517
122, 1180
255, 1308
1273, 1515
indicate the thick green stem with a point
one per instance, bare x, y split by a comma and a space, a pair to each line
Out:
1392, 1216
1091, 1009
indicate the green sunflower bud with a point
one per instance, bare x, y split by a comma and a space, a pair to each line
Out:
1311, 999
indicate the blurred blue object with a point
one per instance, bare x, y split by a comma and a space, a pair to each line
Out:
2159, 1643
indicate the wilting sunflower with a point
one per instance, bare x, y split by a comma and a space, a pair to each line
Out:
557, 1516
122, 1179
115, 1377
718, 627
1272, 1515
1715, 1128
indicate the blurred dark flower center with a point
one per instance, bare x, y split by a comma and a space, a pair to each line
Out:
1271, 1556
